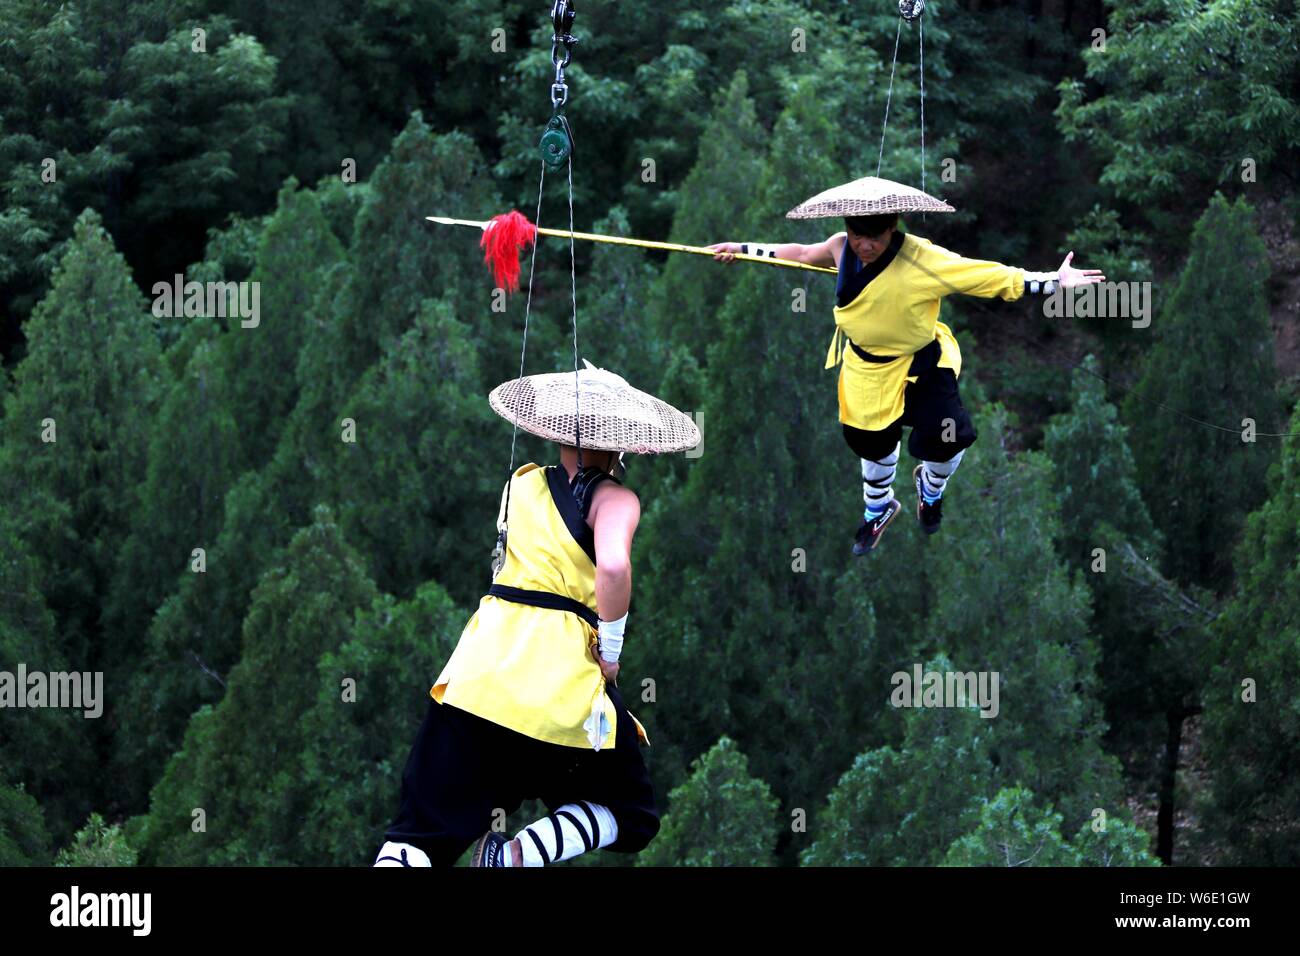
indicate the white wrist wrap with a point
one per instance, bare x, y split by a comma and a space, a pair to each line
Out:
754, 249
1045, 282
611, 639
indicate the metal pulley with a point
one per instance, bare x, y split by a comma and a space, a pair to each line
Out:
557, 140
909, 10
562, 15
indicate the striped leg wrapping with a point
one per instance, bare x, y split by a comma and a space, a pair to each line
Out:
878, 480
935, 474
572, 829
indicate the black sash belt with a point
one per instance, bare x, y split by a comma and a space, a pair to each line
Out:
922, 361
556, 602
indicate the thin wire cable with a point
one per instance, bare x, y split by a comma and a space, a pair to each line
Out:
523, 349
889, 96
573, 288
921, 28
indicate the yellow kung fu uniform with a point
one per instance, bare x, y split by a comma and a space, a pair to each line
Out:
524, 667
898, 314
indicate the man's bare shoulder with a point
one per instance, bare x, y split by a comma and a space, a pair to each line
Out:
616, 500
827, 252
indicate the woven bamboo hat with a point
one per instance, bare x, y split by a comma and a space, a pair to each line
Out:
615, 416
868, 196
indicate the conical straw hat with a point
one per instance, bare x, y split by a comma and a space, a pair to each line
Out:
868, 196
615, 416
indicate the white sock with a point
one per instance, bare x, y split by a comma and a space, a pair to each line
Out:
573, 821
878, 481
391, 854
935, 475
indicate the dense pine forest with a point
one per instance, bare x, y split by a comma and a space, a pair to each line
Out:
267, 530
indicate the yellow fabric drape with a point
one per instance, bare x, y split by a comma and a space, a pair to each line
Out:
898, 314
528, 668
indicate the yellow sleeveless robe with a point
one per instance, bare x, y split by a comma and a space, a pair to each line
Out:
529, 668
898, 314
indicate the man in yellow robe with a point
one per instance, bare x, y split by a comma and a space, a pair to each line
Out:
527, 707
899, 363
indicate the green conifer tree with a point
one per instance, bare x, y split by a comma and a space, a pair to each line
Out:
1212, 359
721, 816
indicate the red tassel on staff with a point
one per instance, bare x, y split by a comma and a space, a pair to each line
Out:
503, 240
504, 237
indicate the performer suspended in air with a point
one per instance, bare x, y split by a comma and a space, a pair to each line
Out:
527, 707
901, 364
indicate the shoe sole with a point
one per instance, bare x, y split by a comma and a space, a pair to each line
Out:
477, 856
916, 480
893, 513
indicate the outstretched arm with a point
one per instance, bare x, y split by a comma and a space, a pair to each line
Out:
943, 272
825, 253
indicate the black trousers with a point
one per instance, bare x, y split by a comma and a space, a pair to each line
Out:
932, 407
463, 769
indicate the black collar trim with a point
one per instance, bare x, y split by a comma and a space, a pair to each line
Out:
557, 479
854, 276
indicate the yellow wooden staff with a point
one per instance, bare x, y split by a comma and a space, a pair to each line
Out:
504, 236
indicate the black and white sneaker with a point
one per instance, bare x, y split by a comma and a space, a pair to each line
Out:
401, 854
927, 513
489, 850
869, 532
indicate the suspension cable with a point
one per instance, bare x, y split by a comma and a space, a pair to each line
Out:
556, 151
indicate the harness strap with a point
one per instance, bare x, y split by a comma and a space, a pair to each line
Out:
584, 483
